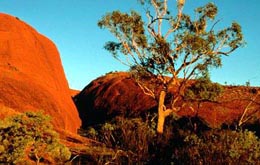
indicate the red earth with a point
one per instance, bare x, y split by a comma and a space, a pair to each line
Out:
31, 75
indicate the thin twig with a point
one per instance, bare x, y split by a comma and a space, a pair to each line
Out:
241, 121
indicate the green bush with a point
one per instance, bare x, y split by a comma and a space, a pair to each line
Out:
30, 137
181, 143
138, 140
221, 147
131, 136
203, 90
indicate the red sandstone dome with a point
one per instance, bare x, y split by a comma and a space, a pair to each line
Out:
32, 76
111, 95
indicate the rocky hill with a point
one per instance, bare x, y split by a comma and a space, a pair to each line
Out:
119, 94
31, 75
111, 95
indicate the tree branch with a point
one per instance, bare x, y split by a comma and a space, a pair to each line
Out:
150, 29
226, 53
146, 90
241, 121
211, 29
180, 8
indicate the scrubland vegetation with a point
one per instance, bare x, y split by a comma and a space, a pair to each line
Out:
29, 138
184, 141
188, 49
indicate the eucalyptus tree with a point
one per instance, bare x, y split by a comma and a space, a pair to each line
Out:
169, 49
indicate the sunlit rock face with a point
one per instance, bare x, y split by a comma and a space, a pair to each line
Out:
31, 74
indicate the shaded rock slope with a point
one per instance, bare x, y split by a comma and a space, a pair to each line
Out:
119, 94
32, 76
111, 95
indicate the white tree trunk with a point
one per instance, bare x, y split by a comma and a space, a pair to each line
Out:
162, 112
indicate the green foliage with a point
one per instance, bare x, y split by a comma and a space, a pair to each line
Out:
137, 141
123, 24
222, 147
203, 90
184, 141
186, 46
131, 136
30, 137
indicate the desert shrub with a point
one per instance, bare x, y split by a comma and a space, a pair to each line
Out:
187, 140
169, 145
138, 140
30, 137
140, 143
221, 147
135, 135
132, 136
203, 90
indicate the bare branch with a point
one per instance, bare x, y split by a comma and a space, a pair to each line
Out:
241, 121
165, 8
226, 53
150, 19
180, 8
146, 90
187, 63
122, 62
211, 29
156, 8
162, 14
221, 45
134, 44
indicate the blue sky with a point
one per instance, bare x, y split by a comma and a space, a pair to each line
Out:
72, 26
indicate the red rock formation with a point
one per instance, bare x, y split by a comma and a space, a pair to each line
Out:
31, 74
110, 95
74, 92
118, 93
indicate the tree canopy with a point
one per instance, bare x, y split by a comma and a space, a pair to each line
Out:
167, 47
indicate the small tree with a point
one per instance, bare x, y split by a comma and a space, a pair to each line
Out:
167, 47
